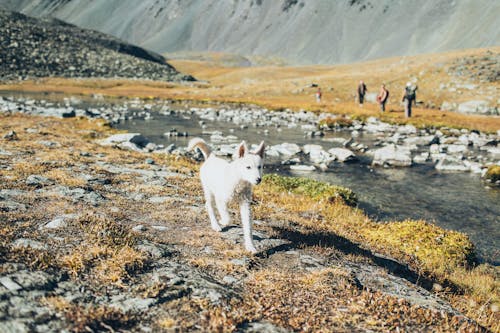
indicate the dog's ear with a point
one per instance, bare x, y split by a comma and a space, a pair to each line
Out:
260, 150
242, 149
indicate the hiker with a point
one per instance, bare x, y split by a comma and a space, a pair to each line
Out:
382, 97
318, 95
361, 92
409, 97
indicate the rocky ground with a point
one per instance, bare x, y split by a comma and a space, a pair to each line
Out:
97, 238
33, 48
483, 68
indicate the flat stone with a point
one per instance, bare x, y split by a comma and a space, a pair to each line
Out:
159, 227
451, 164
392, 155
342, 154
59, 222
158, 200
126, 304
37, 180
8, 283
25, 242
13, 326
135, 138
302, 167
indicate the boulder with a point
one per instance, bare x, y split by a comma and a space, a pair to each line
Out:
320, 157
475, 106
425, 140
117, 139
456, 149
452, 164
342, 154
302, 167
392, 155
287, 149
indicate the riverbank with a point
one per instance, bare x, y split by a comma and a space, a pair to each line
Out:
100, 237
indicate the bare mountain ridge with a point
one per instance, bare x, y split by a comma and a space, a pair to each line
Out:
302, 32
33, 47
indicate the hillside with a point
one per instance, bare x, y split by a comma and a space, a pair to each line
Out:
301, 32
48, 47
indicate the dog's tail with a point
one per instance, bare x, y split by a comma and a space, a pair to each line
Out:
201, 145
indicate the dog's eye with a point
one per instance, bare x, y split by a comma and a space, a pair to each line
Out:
249, 167
259, 167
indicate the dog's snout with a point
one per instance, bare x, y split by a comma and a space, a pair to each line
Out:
258, 180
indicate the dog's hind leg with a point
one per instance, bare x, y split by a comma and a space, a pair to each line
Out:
224, 214
246, 220
210, 210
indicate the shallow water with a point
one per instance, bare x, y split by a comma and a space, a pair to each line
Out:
457, 201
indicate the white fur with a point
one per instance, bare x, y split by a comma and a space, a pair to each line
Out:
224, 181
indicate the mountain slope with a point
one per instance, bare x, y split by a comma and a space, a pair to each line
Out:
303, 32
38, 48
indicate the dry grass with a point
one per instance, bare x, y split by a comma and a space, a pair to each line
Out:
430, 250
329, 301
88, 318
279, 87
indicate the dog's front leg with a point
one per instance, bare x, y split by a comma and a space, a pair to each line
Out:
246, 220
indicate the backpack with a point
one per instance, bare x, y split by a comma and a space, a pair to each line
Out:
410, 93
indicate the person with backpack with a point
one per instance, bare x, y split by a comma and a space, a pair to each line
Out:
409, 97
318, 95
382, 97
361, 92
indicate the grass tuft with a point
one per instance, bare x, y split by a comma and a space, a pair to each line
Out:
493, 173
312, 189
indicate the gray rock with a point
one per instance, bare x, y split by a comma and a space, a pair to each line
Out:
11, 136
37, 180
117, 139
451, 164
8, 283
13, 326
287, 149
59, 221
263, 326
342, 154
159, 227
475, 106
134, 305
29, 243
302, 167
33, 280
392, 155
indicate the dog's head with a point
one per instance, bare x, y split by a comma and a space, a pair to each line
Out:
250, 163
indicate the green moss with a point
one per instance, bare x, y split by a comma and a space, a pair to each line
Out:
493, 173
312, 189
438, 249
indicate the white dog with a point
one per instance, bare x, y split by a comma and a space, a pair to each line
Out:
224, 181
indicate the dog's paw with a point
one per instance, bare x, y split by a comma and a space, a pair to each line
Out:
251, 249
